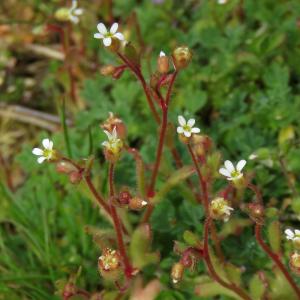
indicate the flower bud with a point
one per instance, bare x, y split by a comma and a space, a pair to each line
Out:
62, 14
107, 70
154, 80
200, 144
177, 272
256, 212
69, 290
65, 167
181, 57
163, 63
124, 197
114, 122
219, 209
109, 264
295, 263
137, 203
75, 177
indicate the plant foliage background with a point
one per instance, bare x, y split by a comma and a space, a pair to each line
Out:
242, 85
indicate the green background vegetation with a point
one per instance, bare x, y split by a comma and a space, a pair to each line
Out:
242, 85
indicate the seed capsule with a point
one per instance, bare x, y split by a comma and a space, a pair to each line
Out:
181, 57
177, 272
163, 63
137, 203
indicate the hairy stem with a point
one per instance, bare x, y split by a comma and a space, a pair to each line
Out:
151, 188
141, 78
117, 223
202, 181
231, 286
276, 259
97, 196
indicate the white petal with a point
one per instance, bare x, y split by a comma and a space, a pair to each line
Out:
37, 151
195, 130
108, 134
187, 133
114, 28
41, 159
181, 120
114, 133
162, 53
119, 36
74, 4
224, 172
98, 35
50, 145
74, 19
240, 165
289, 234
191, 122
78, 11
229, 166
105, 144
46, 143
107, 41
179, 129
101, 28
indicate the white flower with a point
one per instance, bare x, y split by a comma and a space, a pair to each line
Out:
162, 53
292, 235
74, 12
186, 128
44, 154
222, 1
231, 172
114, 144
107, 36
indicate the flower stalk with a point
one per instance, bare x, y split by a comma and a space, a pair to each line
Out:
128, 270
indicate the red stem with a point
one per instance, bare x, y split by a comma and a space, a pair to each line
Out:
117, 223
275, 259
213, 273
96, 194
141, 78
151, 188
257, 193
202, 181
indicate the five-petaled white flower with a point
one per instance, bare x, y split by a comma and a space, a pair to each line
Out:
231, 172
186, 127
107, 36
292, 235
74, 12
44, 154
114, 144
